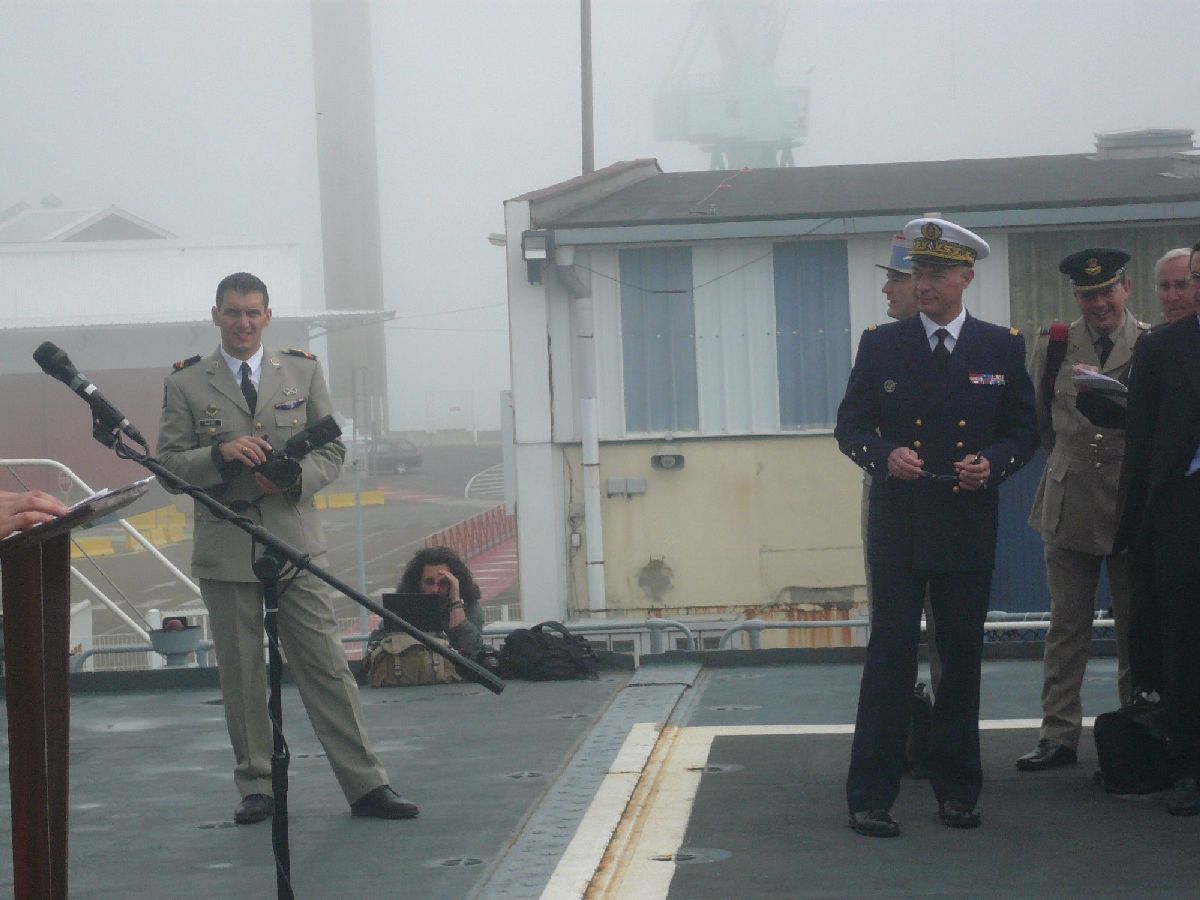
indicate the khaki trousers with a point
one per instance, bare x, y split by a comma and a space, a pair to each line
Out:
1073, 577
308, 634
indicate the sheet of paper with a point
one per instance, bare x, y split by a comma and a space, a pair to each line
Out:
1096, 381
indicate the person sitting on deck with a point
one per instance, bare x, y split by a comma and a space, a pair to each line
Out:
439, 570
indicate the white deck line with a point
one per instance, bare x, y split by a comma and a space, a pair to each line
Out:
647, 875
579, 861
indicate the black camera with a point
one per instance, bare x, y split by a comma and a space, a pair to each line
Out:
282, 467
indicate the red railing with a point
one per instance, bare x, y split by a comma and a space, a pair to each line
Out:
473, 536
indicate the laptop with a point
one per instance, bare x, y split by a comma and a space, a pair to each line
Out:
422, 611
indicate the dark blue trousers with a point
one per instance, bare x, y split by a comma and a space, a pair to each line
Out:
1177, 577
960, 602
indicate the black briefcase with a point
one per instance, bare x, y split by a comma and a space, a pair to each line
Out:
1131, 743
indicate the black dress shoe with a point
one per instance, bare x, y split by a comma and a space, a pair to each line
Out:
956, 814
874, 823
384, 803
1047, 755
1184, 799
254, 808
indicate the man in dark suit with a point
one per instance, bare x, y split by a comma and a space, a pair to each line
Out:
1161, 519
939, 409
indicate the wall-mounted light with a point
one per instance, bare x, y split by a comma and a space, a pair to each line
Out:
537, 247
667, 461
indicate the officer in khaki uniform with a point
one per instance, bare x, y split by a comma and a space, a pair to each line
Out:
215, 427
1075, 508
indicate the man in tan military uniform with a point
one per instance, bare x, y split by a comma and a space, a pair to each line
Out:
215, 428
1076, 504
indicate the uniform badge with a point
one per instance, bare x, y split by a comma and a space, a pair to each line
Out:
290, 392
889, 386
1092, 267
986, 378
931, 230
212, 410
290, 404
210, 423
275, 363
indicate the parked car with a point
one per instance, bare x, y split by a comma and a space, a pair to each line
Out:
390, 455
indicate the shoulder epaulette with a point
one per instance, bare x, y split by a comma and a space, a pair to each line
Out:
184, 363
293, 351
1045, 331
872, 327
1143, 326
1014, 331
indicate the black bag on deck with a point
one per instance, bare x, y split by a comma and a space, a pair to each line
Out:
547, 652
1132, 745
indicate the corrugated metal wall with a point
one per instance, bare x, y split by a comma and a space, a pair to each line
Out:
812, 314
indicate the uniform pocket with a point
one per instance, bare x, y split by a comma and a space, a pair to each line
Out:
1055, 496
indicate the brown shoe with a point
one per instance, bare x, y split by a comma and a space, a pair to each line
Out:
874, 823
384, 803
1047, 755
956, 814
254, 808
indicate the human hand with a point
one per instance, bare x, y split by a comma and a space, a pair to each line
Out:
904, 463
973, 472
249, 450
24, 509
1082, 369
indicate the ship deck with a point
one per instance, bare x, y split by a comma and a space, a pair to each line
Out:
704, 775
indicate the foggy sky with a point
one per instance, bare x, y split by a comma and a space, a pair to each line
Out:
198, 116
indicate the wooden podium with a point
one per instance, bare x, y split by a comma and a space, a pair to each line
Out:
36, 569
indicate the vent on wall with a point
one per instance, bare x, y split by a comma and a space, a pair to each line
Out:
1186, 165
1142, 142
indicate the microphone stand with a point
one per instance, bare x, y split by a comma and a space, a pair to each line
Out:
277, 560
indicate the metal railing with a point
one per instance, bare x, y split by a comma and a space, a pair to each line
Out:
997, 622
655, 629
133, 533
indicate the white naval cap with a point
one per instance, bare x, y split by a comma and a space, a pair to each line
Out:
943, 243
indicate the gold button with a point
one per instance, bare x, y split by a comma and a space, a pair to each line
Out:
962, 423
1099, 437
955, 489
295, 421
258, 425
958, 445
212, 431
919, 423
917, 445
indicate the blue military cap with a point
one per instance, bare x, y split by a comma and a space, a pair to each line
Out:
1095, 267
943, 243
899, 261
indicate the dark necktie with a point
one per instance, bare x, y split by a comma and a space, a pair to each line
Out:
1104, 347
248, 390
941, 352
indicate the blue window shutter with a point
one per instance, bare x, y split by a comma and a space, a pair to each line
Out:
658, 341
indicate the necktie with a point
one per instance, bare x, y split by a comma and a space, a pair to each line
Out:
1104, 347
941, 352
248, 390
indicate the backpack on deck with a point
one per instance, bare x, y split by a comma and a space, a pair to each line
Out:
1132, 745
547, 652
399, 660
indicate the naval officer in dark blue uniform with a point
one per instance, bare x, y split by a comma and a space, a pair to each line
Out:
939, 410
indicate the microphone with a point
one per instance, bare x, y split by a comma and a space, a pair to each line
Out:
57, 364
